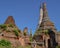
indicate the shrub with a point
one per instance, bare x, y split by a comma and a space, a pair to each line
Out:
30, 39
46, 32
25, 33
16, 32
5, 43
3, 26
10, 25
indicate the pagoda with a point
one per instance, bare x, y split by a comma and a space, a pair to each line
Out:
45, 33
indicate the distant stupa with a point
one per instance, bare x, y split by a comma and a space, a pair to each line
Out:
10, 20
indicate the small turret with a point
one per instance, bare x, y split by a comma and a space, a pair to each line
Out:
25, 31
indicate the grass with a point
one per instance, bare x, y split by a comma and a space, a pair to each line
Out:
57, 46
28, 46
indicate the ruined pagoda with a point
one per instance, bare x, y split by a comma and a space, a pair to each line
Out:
45, 34
44, 21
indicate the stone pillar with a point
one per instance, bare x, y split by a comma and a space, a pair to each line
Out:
46, 43
43, 45
43, 40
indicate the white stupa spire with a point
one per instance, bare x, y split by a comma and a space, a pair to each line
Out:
41, 16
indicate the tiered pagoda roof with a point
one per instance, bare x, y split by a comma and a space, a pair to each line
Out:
44, 21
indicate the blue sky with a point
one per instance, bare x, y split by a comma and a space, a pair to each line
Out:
26, 12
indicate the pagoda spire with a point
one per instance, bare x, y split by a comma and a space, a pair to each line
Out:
41, 15
44, 22
45, 13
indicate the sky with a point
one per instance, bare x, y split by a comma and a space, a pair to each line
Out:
26, 12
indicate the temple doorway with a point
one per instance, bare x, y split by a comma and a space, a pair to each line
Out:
49, 43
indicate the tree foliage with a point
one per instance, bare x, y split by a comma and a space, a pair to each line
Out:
16, 32
5, 44
3, 26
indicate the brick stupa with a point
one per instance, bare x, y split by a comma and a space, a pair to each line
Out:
10, 20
